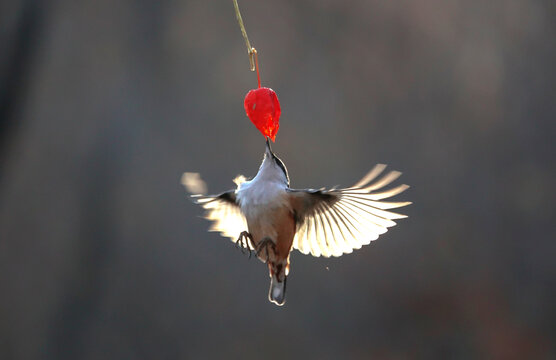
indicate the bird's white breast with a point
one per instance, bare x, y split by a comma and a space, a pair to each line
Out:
259, 198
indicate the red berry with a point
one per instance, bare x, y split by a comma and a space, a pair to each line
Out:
263, 109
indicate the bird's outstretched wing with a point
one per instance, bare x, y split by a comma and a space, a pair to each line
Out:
337, 221
222, 209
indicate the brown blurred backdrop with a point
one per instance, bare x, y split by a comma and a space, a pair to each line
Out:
104, 104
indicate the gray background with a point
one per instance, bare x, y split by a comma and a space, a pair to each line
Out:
104, 104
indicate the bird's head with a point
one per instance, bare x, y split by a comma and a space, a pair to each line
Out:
272, 167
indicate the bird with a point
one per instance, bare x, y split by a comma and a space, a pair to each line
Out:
266, 216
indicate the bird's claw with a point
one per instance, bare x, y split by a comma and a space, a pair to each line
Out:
263, 244
243, 241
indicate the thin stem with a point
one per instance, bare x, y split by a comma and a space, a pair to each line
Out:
254, 64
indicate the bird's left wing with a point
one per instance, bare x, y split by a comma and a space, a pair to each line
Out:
337, 221
222, 210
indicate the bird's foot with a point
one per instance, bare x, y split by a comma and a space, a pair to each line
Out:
263, 245
244, 240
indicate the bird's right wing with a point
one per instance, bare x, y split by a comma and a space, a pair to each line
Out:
222, 209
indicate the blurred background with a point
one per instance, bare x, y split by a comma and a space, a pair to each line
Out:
104, 104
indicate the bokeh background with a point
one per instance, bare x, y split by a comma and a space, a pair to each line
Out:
104, 104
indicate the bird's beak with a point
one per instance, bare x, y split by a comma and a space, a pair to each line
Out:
268, 148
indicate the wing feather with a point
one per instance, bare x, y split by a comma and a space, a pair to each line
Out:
340, 231
328, 228
337, 221
313, 242
222, 210
326, 244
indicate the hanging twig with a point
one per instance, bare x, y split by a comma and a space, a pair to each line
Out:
251, 51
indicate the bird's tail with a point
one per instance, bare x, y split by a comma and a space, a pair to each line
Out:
277, 292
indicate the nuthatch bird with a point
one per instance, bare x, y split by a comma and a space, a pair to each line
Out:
266, 216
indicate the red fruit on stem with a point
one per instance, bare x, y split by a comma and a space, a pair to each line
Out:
263, 109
